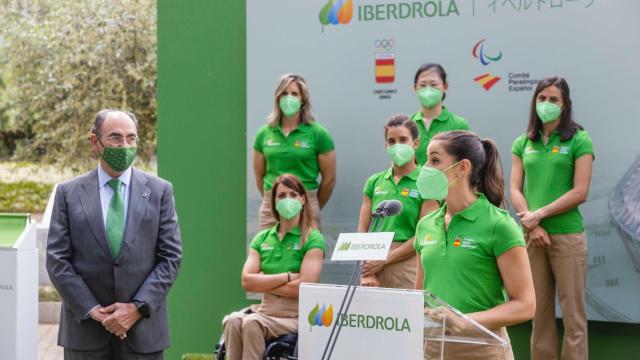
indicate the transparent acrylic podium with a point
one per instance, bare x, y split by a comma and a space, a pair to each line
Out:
449, 334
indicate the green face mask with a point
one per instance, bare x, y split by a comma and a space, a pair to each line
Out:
430, 96
290, 105
401, 154
118, 158
433, 183
548, 112
288, 208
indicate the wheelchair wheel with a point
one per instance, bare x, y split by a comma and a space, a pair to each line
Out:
220, 350
278, 351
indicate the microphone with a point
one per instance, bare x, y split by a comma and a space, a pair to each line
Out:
380, 208
391, 208
385, 208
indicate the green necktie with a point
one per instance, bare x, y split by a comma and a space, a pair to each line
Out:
115, 218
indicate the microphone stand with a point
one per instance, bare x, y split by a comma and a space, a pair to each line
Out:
351, 290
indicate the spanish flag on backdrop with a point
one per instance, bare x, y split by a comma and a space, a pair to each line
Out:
487, 81
385, 68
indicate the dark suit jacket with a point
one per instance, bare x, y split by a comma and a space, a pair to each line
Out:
81, 267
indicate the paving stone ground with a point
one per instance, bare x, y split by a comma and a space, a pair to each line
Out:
47, 342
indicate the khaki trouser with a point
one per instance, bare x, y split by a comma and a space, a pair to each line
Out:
266, 218
460, 351
245, 334
399, 275
561, 267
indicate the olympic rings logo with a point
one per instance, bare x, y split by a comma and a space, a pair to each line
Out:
385, 44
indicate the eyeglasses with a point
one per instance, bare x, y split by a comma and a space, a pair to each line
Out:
120, 140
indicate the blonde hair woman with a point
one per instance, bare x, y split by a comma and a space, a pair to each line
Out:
293, 142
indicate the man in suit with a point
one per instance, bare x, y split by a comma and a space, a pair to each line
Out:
113, 251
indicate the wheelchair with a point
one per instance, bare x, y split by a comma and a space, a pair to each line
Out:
283, 347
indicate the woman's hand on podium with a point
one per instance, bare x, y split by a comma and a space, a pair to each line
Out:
454, 323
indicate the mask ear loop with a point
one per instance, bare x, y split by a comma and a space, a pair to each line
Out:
458, 178
98, 138
451, 166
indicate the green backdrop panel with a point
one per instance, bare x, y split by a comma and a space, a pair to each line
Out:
201, 146
11, 227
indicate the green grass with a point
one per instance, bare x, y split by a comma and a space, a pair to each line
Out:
24, 197
197, 357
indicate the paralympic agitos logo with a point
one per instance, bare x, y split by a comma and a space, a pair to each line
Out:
479, 53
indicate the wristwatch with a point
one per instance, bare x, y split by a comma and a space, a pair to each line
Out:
143, 309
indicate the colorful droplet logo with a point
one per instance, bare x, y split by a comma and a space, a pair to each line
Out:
321, 316
336, 12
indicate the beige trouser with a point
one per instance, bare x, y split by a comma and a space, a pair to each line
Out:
561, 267
266, 218
399, 275
460, 351
245, 334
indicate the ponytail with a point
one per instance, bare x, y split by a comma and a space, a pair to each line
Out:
491, 182
486, 166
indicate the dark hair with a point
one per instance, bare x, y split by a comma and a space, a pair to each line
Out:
486, 166
567, 127
431, 66
102, 115
402, 120
306, 215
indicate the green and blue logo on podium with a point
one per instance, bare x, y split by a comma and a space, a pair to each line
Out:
321, 316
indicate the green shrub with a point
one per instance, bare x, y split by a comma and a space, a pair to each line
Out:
63, 60
48, 293
24, 196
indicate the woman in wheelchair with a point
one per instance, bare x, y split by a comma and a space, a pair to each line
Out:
279, 259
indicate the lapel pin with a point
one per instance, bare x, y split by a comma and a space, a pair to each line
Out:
145, 194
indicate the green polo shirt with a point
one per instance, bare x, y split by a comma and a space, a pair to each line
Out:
295, 154
446, 121
279, 256
460, 263
548, 174
381, 186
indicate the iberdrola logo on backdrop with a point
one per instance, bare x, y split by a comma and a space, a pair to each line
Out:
336, 12
321, 316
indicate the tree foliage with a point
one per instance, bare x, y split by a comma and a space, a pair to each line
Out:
61, 62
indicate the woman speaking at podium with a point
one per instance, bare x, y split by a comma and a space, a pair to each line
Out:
397, 183
280, 258
470, 250
430, 84
293, 142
